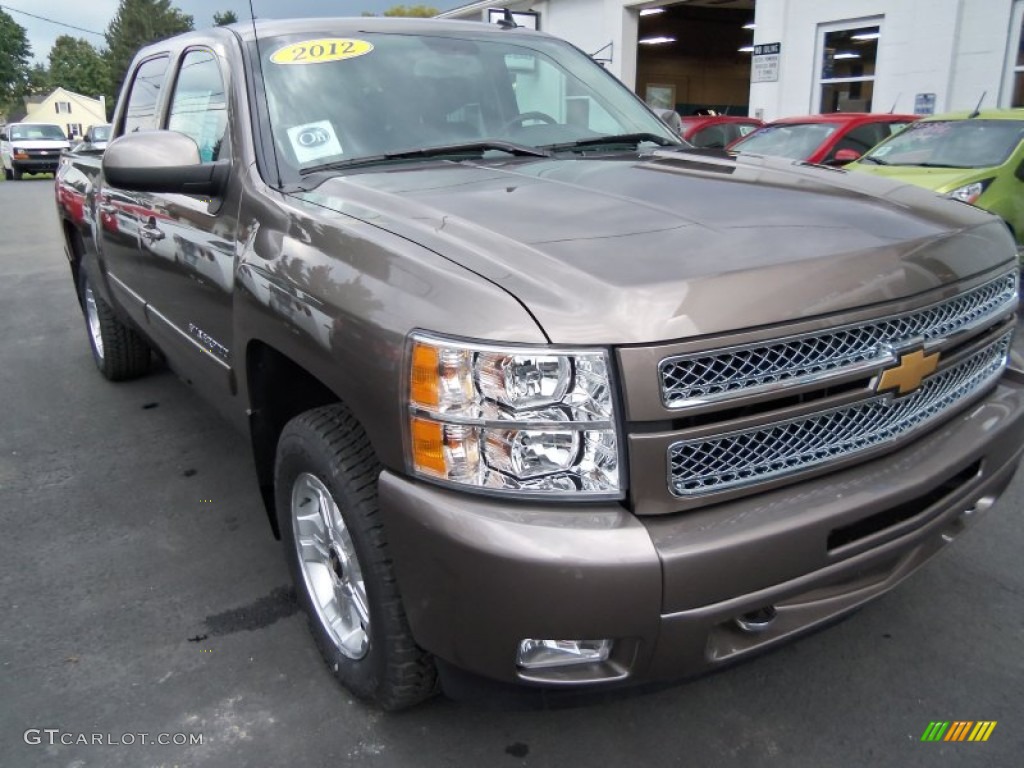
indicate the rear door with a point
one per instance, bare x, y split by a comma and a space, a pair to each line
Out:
123, 212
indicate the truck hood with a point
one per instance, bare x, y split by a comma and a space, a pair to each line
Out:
940, 180
671, 245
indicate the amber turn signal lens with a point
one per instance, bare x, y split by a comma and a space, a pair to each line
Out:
424, 384
428, 446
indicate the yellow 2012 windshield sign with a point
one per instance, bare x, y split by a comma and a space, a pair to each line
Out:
321, 51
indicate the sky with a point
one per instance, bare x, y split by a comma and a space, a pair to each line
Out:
95, 15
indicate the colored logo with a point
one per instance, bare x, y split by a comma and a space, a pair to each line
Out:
959, 730
907, 375
321, 50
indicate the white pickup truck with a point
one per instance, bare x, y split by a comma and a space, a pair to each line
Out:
31, 148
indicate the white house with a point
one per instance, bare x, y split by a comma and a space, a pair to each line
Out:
773, 58
72, 111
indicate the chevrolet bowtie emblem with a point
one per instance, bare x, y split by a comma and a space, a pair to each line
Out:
907, 375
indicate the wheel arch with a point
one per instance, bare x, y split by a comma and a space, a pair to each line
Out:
75, 245
268, 374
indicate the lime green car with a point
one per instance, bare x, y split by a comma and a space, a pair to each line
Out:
975, 157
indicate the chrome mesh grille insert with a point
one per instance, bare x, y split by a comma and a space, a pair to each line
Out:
711, 376
721, 462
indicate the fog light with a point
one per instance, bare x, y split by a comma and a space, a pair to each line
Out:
538, 654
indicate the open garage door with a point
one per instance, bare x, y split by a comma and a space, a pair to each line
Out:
695, 56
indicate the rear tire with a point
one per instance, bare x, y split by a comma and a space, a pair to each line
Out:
118, 351
326, 497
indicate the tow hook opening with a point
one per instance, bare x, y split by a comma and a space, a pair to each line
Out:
757, 621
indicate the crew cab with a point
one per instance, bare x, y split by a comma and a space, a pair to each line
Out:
537, 394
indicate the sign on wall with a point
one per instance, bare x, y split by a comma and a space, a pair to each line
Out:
764, 64
924, 104
528, 19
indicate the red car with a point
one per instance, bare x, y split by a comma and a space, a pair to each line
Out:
716, 131
833, 139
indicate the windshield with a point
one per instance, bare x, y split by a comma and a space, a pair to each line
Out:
30, 132
796, 141
101, 133
951, 144
337, 100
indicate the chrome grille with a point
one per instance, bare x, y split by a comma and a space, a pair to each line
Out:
707, 377
721, 462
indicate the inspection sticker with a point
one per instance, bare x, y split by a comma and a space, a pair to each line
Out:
314, 141
321, 51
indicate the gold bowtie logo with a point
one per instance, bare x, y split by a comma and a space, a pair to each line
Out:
908, 373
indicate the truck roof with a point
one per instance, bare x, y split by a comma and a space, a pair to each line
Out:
248, 31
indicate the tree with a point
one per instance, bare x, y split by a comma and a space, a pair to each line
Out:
15, 53
38, 81
76, 65
225, 18
411, 11
138, 23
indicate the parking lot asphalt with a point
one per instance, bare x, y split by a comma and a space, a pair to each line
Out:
141, 592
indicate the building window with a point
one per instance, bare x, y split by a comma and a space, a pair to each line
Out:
1013, 89
74, 130
63, 107
846, 75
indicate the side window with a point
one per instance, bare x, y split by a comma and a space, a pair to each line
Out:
140, 114
712, 137
199, 107
860, 139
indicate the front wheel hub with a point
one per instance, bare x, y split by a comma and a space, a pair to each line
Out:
330, 566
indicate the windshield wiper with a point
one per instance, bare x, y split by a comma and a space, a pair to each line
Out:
876, 160
632, 139
463, 148
944, 165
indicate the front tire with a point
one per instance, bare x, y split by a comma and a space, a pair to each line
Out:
16, 173
326, 497
118, 351
7, 174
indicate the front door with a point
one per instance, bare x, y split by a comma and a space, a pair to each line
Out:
188, 242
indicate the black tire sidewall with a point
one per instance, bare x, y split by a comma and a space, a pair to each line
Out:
298, 453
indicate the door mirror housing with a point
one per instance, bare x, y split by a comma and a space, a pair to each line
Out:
671, 118
844, 156
162, 161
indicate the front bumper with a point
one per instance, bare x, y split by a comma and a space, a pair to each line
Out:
480, 574
37, 165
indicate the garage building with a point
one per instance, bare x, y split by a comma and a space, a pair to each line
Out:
773, 58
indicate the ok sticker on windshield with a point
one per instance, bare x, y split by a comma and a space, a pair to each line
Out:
314, 141
321, 51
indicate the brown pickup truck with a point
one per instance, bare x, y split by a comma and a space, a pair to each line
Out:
537, 394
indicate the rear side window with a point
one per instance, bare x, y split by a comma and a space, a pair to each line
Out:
140, 114
199, 107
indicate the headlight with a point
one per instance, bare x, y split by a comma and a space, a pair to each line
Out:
968, 193
521, 420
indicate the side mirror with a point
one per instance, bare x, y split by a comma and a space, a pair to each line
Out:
844, 156
162, 161
671, 118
